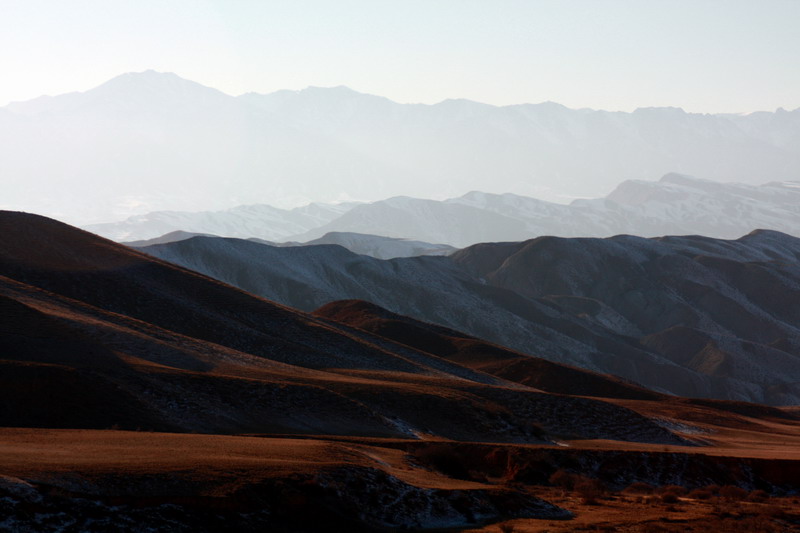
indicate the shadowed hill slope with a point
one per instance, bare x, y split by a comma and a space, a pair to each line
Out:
691, 315
481, 355
98, 335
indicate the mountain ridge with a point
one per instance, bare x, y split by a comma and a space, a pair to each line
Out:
120, 149
691, 315
674, 205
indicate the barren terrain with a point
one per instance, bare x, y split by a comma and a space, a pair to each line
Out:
311, 483
136, 395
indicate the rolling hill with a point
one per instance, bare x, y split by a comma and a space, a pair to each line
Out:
136, 394
157, 346
692, 316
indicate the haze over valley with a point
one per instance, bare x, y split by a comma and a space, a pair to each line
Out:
673, 205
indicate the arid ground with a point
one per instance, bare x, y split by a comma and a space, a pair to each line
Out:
136, 395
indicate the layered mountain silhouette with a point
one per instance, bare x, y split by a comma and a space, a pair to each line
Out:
674, 205
246, 221
372, 245
151, 141
378, 246
692, 316
97, 335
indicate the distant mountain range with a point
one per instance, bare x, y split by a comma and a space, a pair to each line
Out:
377, 246
258, 221
372, 245
674, 205
692, 316
151, 141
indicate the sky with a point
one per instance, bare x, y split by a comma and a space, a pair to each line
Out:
702, 55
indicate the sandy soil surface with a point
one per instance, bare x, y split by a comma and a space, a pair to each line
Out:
627, 513
42, 452
217, 466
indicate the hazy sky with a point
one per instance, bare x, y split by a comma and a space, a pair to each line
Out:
702, 55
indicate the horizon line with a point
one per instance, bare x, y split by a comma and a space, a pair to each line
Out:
446, 100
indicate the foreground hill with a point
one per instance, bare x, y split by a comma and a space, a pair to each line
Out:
674, 205
156, 346
693, 316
